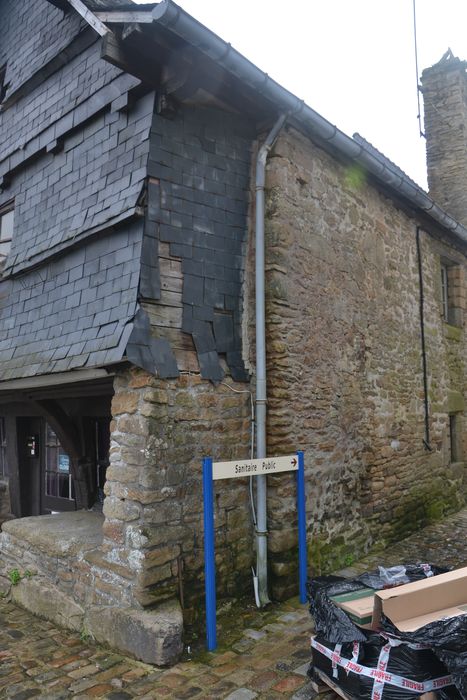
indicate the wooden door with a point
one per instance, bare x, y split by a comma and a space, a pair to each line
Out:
29, 434
57, 488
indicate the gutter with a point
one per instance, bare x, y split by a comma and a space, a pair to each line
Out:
170, 15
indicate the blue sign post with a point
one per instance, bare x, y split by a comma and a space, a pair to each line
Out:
302, 551
227, 470
209, 560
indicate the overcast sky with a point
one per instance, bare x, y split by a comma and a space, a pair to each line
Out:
353, 61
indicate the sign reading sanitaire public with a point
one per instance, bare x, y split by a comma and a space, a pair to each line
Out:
254, 467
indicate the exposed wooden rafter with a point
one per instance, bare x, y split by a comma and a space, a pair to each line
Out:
116, 51
126, 17
89, 16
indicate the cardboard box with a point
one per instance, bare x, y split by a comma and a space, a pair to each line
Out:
358, 605
416, 604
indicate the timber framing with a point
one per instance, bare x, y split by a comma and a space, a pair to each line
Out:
90, 17
125, 17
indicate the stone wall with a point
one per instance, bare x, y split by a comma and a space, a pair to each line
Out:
53, 567
445, 106
345, 377
153, 529
122, 576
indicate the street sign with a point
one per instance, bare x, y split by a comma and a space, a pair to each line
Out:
254, 467
247, 467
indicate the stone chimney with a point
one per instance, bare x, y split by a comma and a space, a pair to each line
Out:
444, 88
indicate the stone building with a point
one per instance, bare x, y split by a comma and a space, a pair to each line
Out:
128, 142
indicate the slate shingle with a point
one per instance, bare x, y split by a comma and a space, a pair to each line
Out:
78, 328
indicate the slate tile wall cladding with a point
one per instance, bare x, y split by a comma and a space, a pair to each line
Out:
98, 176
198, 202
74, 311
40, 29
57, 96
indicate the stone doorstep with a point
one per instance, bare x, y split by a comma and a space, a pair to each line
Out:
151, 636
60, 535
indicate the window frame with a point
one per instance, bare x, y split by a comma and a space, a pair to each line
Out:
452, 285
445, 291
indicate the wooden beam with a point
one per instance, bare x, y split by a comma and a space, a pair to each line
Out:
89, 16
13, 464
116, 52
54, 380
115, 17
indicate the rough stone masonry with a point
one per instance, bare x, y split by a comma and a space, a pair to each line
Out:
344, 357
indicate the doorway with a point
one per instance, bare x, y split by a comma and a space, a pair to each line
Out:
45, 478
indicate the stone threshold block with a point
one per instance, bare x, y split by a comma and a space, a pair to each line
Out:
152, 636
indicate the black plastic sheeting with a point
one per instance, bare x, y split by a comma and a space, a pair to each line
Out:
446, 639
418, 665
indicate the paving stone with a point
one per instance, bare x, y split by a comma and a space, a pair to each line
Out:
290, 617
254, 634
264, 680
303, 669
241, 677
42, 659
98, 691
242, 694
24, 694
243, 645
284, 666
190, 692
286, 685
307, 692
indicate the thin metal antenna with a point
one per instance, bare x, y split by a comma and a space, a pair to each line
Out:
419, 115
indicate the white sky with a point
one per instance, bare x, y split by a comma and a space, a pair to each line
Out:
350, 60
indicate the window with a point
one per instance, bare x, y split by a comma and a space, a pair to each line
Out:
6, 230
3, 469
58, 480
452, 292
444, 292
455, 445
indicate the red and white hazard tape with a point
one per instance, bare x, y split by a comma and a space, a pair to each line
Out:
380, 673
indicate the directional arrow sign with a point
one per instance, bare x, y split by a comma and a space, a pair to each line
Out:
254, 467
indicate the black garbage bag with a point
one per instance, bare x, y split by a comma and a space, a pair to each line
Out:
398, 575
448, 640
381, 669
333, 622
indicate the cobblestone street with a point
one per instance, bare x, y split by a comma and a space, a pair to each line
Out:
261, 655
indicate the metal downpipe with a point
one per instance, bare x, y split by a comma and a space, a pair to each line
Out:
261, 398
